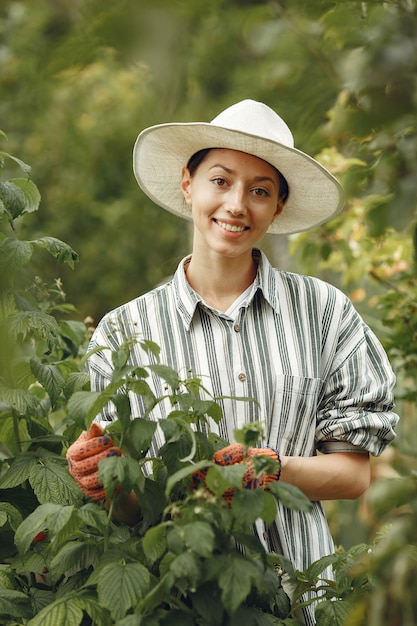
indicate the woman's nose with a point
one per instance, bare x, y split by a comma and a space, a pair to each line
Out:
236, 204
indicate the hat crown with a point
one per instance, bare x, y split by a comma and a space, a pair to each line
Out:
255, 118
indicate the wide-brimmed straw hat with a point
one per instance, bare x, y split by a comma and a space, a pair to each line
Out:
162, 151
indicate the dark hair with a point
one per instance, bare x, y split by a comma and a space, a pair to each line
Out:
198, 157
195, 161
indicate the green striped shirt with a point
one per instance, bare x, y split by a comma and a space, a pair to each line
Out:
297, 345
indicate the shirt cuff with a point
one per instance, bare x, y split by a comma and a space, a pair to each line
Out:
328, 447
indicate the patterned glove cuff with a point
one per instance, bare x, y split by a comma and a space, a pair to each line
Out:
278, 459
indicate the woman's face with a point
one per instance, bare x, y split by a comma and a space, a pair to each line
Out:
234, 198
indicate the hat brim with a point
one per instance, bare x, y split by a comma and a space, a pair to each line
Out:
161, 151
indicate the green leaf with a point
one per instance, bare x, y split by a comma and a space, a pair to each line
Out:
387, 494
12, 198
52, 482
7, 579
73, 330
74, 557
87, 601
199, 537
23, 402
183, 473
141, 434
15, 603
120, 357
59, 249
176, 540
63, 612
63, 523
5, 155
158, 594
37, 323
316, 568
41, 598
219, 478
93, 516
249, 434
124, 410
121, 586
14, 254
290, 496
118, 470
35, 522
50, 378
83, 406
247, 505
154, 543
332, 613
76, 381
18, 471
269, 511
30, 562
235, 580
30, 193
248, 616
153, 502
186, 565
12, 514
151, 347
206, 600
166, 373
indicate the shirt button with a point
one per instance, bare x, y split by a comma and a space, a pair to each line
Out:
236, 328
242, 377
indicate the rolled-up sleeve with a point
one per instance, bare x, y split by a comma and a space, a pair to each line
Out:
356, 409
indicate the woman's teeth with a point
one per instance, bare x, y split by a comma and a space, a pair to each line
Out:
230, 228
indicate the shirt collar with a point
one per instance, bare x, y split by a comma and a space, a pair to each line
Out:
187, 299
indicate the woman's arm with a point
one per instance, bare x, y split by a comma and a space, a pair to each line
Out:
336, 476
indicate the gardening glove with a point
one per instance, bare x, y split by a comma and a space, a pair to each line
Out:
250, 480
234, 454
84, 456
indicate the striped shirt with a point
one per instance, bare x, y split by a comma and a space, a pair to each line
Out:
297, 345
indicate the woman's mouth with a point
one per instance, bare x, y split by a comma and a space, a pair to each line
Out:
230, 227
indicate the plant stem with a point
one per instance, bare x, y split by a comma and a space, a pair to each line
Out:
109, 519
15, 417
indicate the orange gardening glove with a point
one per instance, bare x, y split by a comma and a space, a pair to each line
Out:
250, 480
84, 456
234, 454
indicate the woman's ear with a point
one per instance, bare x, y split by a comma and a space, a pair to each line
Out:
280, 206
186, 184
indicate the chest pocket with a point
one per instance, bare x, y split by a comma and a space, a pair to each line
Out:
292, 421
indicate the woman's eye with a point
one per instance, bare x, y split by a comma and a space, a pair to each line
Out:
219, 181
259, 191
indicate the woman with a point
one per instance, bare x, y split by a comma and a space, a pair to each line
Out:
296, 344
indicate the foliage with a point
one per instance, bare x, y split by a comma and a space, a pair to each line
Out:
341, 74
65, 560
77, 81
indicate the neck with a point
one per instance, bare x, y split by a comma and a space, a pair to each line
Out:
220, 281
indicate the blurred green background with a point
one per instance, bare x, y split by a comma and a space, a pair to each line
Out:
80, 78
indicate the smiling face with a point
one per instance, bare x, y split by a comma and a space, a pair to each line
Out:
234, 198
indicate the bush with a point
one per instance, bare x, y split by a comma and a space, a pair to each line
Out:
66, 561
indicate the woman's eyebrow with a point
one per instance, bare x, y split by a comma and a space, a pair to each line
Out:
226, 169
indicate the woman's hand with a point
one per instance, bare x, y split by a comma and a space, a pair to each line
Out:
84, 455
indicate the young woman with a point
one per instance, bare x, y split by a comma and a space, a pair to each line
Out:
294, 343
